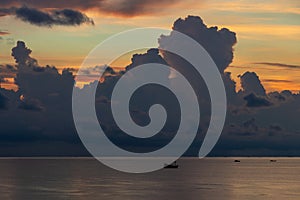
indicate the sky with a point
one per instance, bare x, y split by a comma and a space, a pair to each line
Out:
43, 43
267, 32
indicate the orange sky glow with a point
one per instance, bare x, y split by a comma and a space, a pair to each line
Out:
267, 32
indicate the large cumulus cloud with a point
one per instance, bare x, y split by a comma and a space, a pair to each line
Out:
217, 42
37, 118
39, 113
251, 84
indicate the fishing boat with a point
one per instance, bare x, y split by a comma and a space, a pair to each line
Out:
172, 165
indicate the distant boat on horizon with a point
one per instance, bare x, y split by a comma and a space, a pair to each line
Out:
273, 160
237, 161
171, 166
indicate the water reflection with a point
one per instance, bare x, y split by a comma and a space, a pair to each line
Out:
210, 178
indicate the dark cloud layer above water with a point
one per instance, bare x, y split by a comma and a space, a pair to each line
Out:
38, 117
256, 101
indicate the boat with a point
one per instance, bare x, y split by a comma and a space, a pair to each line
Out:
273, 160
171, 166
237, 161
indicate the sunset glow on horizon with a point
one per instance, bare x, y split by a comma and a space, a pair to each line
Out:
267, 32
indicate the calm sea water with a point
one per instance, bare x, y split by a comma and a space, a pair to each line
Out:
209, 178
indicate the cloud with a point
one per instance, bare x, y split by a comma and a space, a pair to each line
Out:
247, 138
278, 65
2, 80
3, 101
135, 7
217, 42
7, 71
256, 101
275, 128
21, 53
277, 97
65, 17
4, 33
95, 71
250, 83
250, 124
37, 118
277, 80
115, 7
39, 111
30, 105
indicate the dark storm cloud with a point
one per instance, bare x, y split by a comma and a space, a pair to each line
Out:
38, 114
37, 119
21, 53
275, 128
67, 17
31, 105
256, 101
250, 139
278, 65
45, 104
115, 7
217, 42
95, 71
8, 71
251, 84
11, 68
3, 101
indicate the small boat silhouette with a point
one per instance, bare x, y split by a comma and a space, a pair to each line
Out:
172, 165
273, 160
237, 161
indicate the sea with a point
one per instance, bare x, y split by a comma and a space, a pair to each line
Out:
208, 178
